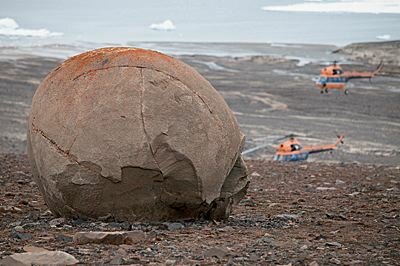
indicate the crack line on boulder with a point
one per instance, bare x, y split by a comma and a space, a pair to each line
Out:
143, 123
189, 89
184, 87
214, 116
60, 150
66, 153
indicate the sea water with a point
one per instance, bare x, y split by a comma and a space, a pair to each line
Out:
93, 23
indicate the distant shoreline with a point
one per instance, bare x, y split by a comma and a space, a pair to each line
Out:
304, 53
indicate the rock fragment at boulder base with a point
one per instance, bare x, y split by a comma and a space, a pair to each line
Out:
112, 238
135, 135
39, 258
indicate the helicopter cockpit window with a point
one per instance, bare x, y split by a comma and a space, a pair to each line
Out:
295, 147
337, 71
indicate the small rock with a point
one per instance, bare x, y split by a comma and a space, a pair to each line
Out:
216, 252
248, 202
19, 172
57, 222
339, 182
6, 253
335, 261
266, 241
126, 247
239, 259
254, 257
113, 238
170, 262
325, 188
334, 244
356, 262
313, 263
46, 213
121, 252
64, 238
303, 247
336, 216
286, 216
136, 236
85, 251
174, 226
30, 225
255, 174
23, 202
40, 258
15, 223
10, 209
103, 224
19, 229
354, 194
225, 229
22, 236
117, 260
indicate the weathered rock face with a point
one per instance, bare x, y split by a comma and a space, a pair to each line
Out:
136, 135
39, 258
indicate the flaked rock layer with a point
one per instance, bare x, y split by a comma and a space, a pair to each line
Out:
135, 135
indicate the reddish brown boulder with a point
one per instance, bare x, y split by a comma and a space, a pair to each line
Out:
136, 135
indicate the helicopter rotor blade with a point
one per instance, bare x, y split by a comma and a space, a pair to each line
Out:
251, 150
286, 137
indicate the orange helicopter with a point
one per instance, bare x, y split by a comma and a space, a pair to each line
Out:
333, 77
292, 150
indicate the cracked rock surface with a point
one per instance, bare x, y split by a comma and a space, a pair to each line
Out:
136, 135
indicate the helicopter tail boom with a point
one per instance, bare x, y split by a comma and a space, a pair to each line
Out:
358, 75
322, 148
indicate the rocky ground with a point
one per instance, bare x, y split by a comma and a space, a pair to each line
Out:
293, 214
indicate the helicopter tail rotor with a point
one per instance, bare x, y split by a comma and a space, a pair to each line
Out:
379, 67
340, 139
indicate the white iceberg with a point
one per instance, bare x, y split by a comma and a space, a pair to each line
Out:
384, 37
165, 25
356, 6
9, 27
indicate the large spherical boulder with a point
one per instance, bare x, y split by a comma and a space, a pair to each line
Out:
135, 135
